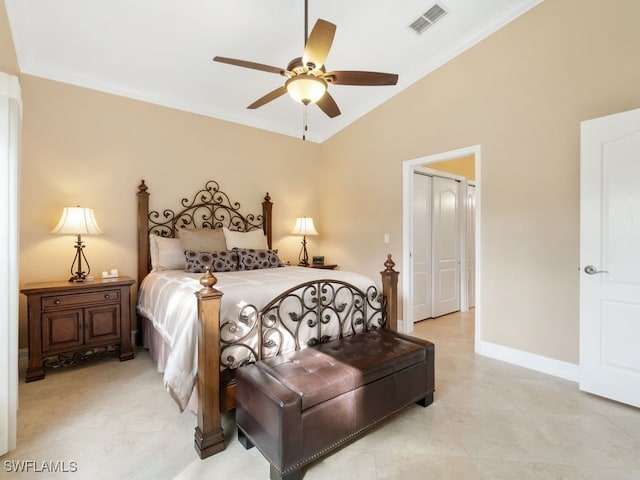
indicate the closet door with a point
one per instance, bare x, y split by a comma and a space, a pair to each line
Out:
446, 246
421, 247
471, 246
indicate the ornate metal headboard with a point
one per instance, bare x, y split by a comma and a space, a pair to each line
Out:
210, 207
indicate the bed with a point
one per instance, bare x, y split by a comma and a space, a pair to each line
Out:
200, 325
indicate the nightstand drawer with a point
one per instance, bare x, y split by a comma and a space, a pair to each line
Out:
75, 299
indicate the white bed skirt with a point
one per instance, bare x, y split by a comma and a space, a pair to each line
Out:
160, 350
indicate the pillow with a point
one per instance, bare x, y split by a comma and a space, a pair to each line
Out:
224, 261
252, 259
166, 253
202, 239
254, 239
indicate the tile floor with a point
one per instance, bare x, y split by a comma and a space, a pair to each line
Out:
490, 420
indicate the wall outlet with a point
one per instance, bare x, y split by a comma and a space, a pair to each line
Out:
386, 238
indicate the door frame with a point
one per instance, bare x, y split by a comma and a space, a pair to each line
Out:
10, 120
408, 167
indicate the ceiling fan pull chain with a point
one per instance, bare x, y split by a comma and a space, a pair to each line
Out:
305, 127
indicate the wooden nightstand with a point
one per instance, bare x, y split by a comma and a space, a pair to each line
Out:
67, 320
326, 267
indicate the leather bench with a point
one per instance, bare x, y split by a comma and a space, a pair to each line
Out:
299, 406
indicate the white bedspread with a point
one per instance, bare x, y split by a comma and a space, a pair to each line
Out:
167, 299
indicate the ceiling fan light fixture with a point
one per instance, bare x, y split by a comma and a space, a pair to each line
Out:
305, 88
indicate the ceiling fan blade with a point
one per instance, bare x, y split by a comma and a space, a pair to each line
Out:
328, 105
278, 92
319, 43
347, 77
245, 64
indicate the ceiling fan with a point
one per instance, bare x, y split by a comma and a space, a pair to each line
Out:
307, 78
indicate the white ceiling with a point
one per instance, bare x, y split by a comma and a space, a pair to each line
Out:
161, 51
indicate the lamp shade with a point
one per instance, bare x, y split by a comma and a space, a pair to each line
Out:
304, 226
305, 88
77, 221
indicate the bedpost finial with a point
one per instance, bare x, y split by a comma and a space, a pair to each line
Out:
389, 264
142, 188
267, 198
208, 280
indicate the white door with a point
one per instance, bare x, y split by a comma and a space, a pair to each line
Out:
421, 247
446, 246
610, 257
471, 246
10, 127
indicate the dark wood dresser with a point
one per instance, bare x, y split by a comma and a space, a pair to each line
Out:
68, 321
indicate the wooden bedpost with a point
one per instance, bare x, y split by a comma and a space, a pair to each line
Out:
390, 291
209, 438
143, 245
143, 240
267, 207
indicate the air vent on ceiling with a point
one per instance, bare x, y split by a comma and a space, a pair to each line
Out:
428, 18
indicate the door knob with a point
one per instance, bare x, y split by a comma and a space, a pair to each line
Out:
591, 270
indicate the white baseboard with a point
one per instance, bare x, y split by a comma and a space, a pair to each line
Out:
400, 326
550, 366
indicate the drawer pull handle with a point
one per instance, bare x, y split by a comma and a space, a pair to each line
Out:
106, 296
57, 302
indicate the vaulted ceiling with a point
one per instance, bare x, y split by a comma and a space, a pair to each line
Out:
161, 51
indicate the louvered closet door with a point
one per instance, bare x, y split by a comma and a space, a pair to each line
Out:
446, 246
421, 247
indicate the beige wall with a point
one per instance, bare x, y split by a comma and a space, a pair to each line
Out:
465, 167
521, 94
8, 60
89, 148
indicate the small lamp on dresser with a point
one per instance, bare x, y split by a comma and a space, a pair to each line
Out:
304, 226
78, 221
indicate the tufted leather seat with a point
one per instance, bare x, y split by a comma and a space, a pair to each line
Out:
301, 405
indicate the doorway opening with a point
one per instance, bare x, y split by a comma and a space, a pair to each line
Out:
469, 268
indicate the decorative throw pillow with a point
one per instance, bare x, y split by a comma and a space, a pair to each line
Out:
202, 239
224, 261
255, 239
166, 253
252, 259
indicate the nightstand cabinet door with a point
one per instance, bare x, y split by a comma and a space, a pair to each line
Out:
62, 330
102, 324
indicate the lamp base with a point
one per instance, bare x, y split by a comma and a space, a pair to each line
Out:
79, 275
304, 256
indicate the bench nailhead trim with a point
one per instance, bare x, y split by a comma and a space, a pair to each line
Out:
327, 449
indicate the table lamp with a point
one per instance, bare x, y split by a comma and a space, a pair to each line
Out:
78, 221
304, 226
